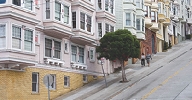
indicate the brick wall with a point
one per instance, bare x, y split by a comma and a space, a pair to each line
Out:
146, 45
18, 85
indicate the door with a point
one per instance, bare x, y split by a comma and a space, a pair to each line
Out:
153, 44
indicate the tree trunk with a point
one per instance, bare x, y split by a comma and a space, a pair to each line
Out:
124, 79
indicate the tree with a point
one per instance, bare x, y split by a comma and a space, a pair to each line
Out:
120, 45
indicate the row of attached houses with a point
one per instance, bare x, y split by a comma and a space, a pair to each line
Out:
58, 37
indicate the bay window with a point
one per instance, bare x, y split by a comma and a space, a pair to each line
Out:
143, 25
61, 12
153, 17
100, 29
111, 28
134, 23
22, 38
28, 41
99, 4
106, 5
128, 19
57, 11
82, 20
106, 28
77, 54
52, 48
85, 20
28, 4
2, 36
138, 5
47, 9
74, 19
138, 24
88, 23
16, 37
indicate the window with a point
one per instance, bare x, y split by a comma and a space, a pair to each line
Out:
92, 54
74, 19
16, 2
16, 37
22, 38
128, 19
66, 14
146, 11
77, 54
61, 12
66, 47
99, 4
106, 28
88, 23
2, 1
52, 48
81, 55
82, 21
84, 78
134, 23
112, 29
2, 36
35, 82
138, 24
106, 5
111, 6
66, 81
53, 85
100, 29
57, 11
159, 6
28, 4
153, 16
47, 9
138, 3
28, 41
143, 25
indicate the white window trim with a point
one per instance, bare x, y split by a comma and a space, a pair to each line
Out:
23, 6
6, 35
101, 29
68, 81
62, 3
66, 43
126, 19
78, 51
22, 38
85, 22
37, 84
92, 49
52, 38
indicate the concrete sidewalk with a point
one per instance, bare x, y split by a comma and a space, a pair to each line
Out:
134, 72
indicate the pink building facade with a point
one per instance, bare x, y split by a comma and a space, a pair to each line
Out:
54, 34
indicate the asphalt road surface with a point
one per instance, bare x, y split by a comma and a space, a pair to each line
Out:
173, 81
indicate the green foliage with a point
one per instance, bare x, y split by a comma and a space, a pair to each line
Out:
120, 45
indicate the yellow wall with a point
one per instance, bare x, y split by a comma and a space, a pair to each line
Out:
18, 85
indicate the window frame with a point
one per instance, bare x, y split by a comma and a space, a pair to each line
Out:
76, 53
68, 81
92, 54
22, 38
138, 25
128, 19
5, 37
32, 42
84, 21
153, 16
52, 48
37, 83
74, 19
23, 5
100, 31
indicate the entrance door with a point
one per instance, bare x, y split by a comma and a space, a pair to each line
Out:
153, 44
174, 34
